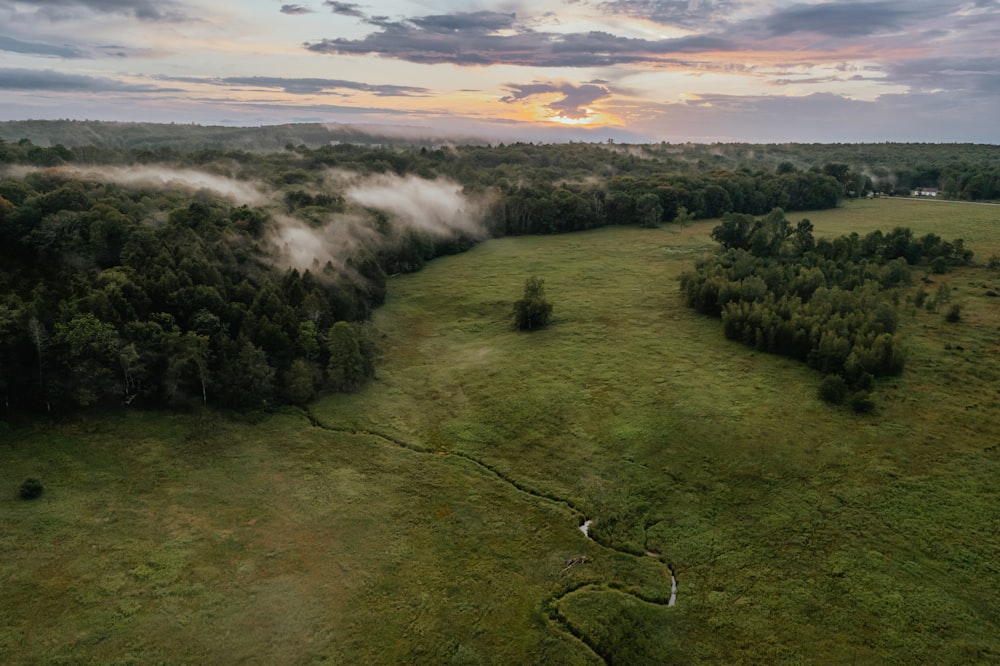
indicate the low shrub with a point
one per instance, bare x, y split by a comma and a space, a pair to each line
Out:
833, 389
862, 403
30, 489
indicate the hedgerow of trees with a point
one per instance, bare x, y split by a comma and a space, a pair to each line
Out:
828, 303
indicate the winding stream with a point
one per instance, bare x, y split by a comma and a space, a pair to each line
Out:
585, 528
521, 487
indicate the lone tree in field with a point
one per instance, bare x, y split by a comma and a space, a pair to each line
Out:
532, 311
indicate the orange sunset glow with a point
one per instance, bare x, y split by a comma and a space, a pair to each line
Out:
866, 71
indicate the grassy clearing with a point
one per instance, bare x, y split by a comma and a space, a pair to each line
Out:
976, 223
799, 533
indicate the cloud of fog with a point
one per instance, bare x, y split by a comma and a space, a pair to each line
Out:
304, 247
451, 136
437, 207
633, 150
238, 191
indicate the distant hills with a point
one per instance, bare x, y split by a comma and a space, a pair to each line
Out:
267, 138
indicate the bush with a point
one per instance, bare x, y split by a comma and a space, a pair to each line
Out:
30, 489
954, 314
833, 389
862, 403
533, 311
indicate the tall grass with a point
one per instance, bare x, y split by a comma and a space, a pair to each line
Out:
798, 533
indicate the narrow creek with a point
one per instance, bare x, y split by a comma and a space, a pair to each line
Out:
584, 526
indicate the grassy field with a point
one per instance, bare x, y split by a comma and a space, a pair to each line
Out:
433, 517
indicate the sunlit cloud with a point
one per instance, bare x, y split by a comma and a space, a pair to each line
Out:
641, 68
564, 103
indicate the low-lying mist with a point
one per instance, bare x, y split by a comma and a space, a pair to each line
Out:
382, 209
299, 245
437, 208
159, 177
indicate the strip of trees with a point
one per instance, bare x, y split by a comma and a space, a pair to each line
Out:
828, 303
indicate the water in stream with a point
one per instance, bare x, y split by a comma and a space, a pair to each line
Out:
585, 528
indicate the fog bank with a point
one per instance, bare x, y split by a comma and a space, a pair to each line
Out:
158, 177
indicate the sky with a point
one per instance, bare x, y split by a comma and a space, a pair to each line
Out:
765, 71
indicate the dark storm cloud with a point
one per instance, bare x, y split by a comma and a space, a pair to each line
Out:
475, 21
295, 9
670, 12
313, 86
965, 75
574, 102
344, 8
819, 80
828, 117
12, 45
48, 80
146, 10
304, 86
839, 19
473, 38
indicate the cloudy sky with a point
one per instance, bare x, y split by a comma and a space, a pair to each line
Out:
642, 70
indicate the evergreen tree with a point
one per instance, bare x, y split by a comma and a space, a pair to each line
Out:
346, 369
532, 311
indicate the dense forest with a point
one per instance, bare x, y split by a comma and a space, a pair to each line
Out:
151, 274
829, 303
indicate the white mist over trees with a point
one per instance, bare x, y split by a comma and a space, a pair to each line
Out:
155, 275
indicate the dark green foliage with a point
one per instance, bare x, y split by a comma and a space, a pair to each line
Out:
246, 379
541, 207
833, 389
830, 304
649, 211
954, 314
532, 312
346, 369
114, 294
300, 382
862, 403
103, 305
30, 489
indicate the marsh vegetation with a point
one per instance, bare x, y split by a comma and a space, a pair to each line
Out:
271, 429
431, 515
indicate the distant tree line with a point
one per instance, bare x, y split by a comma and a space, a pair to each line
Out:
828, 303
649, 202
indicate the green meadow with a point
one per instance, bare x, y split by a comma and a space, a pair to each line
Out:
434, 516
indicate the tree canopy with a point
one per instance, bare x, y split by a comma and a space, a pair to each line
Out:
831, 303
532, 311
